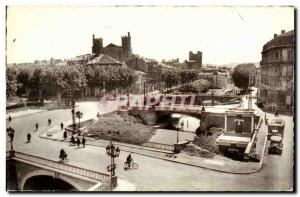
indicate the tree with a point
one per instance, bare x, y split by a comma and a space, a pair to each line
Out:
241, 74
62, 79
170, 78
11, 83
202, 84
24, 76
187, 76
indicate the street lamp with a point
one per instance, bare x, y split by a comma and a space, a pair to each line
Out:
11, 133
73, 116
79, 115
113, 152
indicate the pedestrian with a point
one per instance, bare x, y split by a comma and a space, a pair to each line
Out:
28, 137
61, 126
36, 126
49, 121
203, 109
276, 113
83, 142
72, 140
9, 119
98, 115
78, 142
65, 135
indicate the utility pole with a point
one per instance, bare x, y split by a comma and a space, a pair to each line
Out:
144, 99
250, 97
73, 111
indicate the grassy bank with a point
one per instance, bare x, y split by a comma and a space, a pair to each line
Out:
126, 129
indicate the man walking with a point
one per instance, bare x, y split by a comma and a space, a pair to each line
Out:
28, 137
78, 142
61, 126
83, 142
65, 135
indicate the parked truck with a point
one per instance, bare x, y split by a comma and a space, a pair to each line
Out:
276, 127
276, 145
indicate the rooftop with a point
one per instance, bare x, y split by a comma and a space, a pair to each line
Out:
284, 39
104, 59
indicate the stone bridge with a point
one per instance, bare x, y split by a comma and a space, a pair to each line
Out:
153, 113
27, 172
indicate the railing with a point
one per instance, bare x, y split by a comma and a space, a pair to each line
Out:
62, 166
251, 143
159, 146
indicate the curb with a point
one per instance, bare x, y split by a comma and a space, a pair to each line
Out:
171, 160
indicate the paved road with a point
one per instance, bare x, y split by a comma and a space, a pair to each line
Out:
155, 174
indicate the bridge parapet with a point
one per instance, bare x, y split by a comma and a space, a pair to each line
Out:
61, 167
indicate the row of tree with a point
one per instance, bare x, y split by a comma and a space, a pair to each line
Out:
243, 76
175, 77
57, 80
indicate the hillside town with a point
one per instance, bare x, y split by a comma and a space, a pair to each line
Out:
114, 120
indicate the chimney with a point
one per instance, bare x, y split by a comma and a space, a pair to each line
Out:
282, 31
275, 35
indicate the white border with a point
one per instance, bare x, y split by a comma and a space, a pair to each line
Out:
3, 4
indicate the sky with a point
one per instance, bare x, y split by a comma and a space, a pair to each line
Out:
223, 34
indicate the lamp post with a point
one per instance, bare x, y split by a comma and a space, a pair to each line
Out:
73, 116
113, 152
11, 134
79, 115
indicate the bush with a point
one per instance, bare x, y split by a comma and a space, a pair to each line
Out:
123, 129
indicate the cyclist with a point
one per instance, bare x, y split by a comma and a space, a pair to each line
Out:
129, 160
63, 155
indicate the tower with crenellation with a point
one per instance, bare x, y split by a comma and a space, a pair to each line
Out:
121, 53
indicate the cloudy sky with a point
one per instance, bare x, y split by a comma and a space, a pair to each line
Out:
223, 34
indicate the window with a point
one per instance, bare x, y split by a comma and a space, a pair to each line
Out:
276, 55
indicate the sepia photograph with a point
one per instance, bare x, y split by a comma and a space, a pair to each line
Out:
150, 98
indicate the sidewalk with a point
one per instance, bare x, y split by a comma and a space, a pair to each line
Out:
23, 112
219, 163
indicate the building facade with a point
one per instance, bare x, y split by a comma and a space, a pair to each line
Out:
276, 89
120, 53
217, 79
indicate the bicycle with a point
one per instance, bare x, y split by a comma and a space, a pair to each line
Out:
132, 165
64, 159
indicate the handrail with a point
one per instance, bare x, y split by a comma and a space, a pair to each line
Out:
250, 145
62, 166
159, 146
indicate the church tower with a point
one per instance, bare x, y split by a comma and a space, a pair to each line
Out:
97, 45
126, 45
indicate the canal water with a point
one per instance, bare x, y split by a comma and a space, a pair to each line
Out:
178, 128
185, 123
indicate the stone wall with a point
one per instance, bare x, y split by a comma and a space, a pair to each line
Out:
23, 171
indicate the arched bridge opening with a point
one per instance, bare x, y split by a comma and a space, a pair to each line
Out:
47, 183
